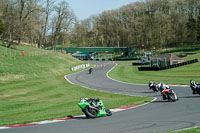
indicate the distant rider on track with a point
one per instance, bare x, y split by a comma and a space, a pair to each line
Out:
90, 70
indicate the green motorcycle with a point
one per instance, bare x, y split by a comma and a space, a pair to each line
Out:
93, 108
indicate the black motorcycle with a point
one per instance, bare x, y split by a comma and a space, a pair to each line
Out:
195, 86
152, 86
90, 70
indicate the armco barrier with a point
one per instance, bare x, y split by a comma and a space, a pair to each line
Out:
80, 67
167, 67
140, 63
124, 59
148, 68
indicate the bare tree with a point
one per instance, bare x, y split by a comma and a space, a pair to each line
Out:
24, 10
49, 4
62, 21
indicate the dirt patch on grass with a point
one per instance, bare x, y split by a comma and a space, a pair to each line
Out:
10, 77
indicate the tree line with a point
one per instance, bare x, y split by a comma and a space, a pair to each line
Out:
149, 24
41, 22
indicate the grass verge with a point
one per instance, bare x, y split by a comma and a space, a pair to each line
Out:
180, 75
193, 130
33, 88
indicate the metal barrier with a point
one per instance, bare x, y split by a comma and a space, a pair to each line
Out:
79, 67
167, 67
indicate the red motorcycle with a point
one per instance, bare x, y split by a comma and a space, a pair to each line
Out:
169, 94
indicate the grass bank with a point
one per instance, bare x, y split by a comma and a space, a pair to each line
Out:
180, 75
33, 88
193, 130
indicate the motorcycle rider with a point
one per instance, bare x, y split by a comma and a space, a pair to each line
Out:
90, 70
161, 87
150, 82
153, 86
195, 85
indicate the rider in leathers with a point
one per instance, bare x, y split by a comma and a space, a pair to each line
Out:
195, 85
161, 87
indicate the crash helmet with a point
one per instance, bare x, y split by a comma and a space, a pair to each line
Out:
167, 87
162, 84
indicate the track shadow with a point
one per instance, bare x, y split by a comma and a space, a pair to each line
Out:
153, 94
197, 96
156, 95
77, 117
83, 118
148, 92
160, 101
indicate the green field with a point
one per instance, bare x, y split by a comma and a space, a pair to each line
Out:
180, 75
33, 88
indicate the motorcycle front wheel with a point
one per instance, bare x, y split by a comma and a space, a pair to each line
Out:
90, 112
108, 112
171, 97
153, 88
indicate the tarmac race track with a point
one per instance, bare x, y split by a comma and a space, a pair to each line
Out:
155, 117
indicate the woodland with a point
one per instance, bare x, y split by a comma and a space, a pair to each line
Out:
148, 24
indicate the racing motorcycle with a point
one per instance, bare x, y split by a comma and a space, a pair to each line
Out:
93, 108
169, 94
152, 86
195, 86
90, 70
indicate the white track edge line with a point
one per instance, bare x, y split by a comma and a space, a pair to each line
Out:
134, 83
119, 80
118, 110
1, 128
183, 129
47, 122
